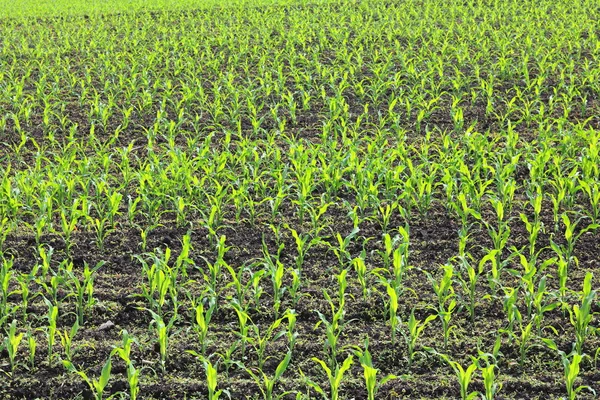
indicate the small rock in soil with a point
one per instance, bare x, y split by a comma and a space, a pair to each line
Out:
108, 325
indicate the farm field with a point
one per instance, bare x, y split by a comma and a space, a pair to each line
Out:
300, 200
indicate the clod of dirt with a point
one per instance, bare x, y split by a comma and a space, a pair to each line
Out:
107, 326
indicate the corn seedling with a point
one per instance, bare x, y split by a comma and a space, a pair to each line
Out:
276, 270
415, 328
162, 331
133, 373
83, 289
370, 373
393, 311
66, 340
490, 384
51, 331
260, 341
32, 345
244, 325
464, 376
334, 327
11, 344
97, 386
469, 286
361, 272
334, 376
571, 370
201, 321
523, 339
341, 251
446, 301
581, 316
265, 384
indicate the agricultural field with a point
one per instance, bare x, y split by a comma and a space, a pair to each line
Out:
295, 199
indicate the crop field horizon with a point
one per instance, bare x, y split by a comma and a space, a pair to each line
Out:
264, 199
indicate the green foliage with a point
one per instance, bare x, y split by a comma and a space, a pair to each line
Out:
232, 160
97, 386
571, 370
370, 373
334, 376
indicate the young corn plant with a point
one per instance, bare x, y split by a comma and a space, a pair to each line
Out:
102, 228
464, 211
385, 215
335, 377
66, 340
6, 275
334, 327
510, 307
257, 289
52, 318
291, 332
592, 190
393, 311
161, 280
469, 285
183, 259
266, 384
341, 251
400, 258
534, 294
389, 245
533, 228
11, 345
275, 270
571, 370
260, 341
201, 321
493, 275
523, 338
294, 288
32, 345
211, 381
52, 288
163, 331
25, 281
69, 218
97, 386
237, 276
571, 237
361, 271
498, 230
490, 384
370, 372
83, 289
226, 356
562, 268
46, 258
446, 300
316, 215
214, 269
464, 376
304, 243
415, 329
243, 325
581, 316
540, 307
133, 373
